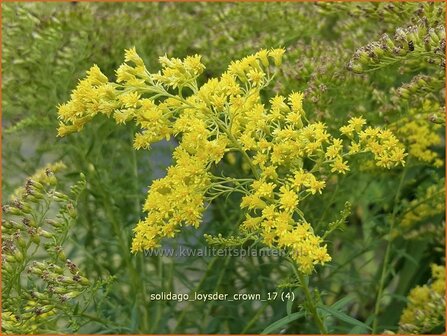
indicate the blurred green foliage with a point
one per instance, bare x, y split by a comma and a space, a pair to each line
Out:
376, 260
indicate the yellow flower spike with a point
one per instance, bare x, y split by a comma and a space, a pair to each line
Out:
269, 173
278, 104
253, 202
420, 136
122, 116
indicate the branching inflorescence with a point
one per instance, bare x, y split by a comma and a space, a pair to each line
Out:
289, 156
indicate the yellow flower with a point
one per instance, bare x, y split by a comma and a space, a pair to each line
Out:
339, 166
347, 130
132, 56
357, 123
296, 101
252, 202
130, 99
333, 150
288, 199
263, 189
277, 54
313, 185
263, 57
256, 77
354, 148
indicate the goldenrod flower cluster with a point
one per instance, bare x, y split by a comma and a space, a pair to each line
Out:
426, 306
288, 156
92, 95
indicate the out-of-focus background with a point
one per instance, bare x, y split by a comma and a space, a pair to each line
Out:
337, 54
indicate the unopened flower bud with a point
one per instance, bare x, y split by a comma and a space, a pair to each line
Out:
363, 57
69, 296
38, 295
84, 281
10, 259
55, 268
387, 41
59, 290
427, 43
60, 197
37, 185
18, 256
44, 233
15, 211
21, 242
35, 239
33, 198
71, 210
403, 92
54, 223
7, 224
433, 36
60, 252
7, 267
440, 31
65, 279
43, 309
355, 67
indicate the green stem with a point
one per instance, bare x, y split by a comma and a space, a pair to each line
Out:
106, 323
134, 276
310, 302
386, 259
236, 144
255, 318
202, 281
135, 173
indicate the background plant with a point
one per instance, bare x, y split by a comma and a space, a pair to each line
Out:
320, 39
42, 290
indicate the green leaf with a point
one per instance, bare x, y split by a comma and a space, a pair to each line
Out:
282, 322
343, 317
289, 307
76, 309
361, 330
342, 302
